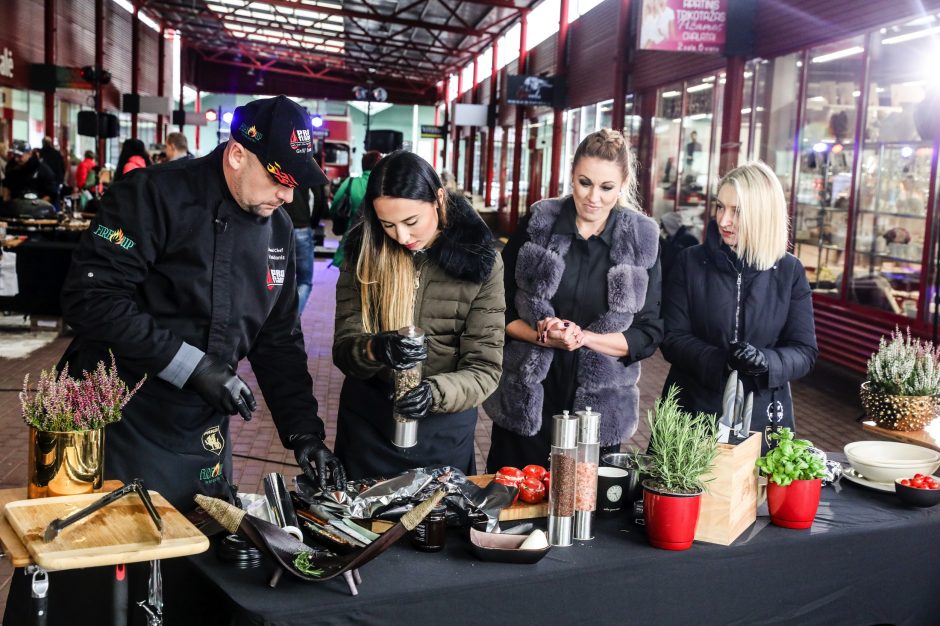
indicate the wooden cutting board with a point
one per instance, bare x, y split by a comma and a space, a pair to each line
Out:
122, 532
520, 510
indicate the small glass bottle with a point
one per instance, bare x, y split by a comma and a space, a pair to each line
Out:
406, 430
430, 534
564, 462
585, 499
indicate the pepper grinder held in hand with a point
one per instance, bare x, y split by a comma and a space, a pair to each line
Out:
406, 430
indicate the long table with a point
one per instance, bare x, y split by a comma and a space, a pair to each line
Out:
867, 560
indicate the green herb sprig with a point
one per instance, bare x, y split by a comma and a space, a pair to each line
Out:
304, 565
791, 460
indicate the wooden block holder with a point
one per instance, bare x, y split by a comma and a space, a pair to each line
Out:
729, 504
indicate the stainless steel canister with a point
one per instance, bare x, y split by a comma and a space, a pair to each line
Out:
406, 430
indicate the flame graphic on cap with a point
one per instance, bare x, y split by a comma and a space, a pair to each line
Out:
117, 237
252, 132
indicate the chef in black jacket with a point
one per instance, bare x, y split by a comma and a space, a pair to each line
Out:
187, 269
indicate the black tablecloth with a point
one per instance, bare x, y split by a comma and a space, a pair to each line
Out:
866, 560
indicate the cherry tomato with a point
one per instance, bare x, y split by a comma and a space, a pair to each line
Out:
934, 486
905, 482
919, 476
534, 471
532, 491
547, 481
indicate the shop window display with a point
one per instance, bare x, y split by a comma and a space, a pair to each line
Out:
698, 149
894, 177
826, 156
666, 126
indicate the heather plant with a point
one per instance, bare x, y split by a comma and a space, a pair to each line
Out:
63, 404
905, 366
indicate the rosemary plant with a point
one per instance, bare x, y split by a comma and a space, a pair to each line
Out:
905, 366
683, 446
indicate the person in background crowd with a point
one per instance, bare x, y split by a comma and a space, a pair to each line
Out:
53, 159
4, 157
583, 288
133, 156
740, 302
177, 147
675, 238
26, 174
418, 256
349, 196
84, 167
300, 210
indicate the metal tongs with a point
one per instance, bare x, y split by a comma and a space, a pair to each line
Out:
135, 486
736, 418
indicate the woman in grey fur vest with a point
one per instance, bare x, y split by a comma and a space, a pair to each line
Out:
583, 287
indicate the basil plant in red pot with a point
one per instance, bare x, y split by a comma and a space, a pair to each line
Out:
794, 480
682, 448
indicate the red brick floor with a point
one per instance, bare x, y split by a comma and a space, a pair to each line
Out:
826, 404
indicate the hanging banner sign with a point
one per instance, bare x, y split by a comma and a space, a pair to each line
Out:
683, 25
432, 132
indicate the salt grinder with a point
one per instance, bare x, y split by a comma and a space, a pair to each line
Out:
406, 430
561, 495
585, 499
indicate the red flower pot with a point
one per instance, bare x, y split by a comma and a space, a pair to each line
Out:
794, 506
670, 518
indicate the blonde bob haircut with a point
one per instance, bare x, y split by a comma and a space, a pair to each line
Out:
762, 214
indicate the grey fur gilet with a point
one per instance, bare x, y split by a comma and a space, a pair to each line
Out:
604, 382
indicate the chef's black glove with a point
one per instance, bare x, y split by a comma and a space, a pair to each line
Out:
397, 351
747, 359
416, 403
316, 460
221, 388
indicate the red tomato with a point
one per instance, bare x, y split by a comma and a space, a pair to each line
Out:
905, 482
532, 491
547, 481
919, 476
510, 476
934, 486
534, 471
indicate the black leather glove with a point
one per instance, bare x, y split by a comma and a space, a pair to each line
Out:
397, 351
316, 460
221, 388
747, 359
416, 403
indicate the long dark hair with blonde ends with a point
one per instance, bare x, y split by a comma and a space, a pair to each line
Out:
610, 145
385, 269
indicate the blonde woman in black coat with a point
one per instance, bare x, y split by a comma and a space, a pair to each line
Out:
740, 302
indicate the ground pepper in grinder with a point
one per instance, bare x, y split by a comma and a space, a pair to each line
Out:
406, 430
561, 495
585, 497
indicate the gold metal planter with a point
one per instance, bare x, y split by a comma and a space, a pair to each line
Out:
65, 463
905, 413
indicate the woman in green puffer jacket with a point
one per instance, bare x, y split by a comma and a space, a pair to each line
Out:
418, 256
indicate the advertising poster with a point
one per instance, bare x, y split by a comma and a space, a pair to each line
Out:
683, 25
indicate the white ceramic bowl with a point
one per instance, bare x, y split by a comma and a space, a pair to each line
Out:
886, 461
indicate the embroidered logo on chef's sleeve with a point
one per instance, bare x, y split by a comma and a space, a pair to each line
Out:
212, 474
277, 261
213, 441
281, 176
117, 237
300, 141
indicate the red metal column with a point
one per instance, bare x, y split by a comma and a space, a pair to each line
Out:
99, 64
620, 65
731, 115
558, 130
517, 149
135, 64
161, 80
491, 128
49, 58
455, 160
471, 140
645, 149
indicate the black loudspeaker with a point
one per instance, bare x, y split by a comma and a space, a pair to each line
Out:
91, 124
384, 141
88, 123
739, 34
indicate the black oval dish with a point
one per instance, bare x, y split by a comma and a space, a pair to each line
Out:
913, 496
501, 548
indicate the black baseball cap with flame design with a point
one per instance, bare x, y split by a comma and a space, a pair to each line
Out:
277, 131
